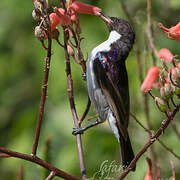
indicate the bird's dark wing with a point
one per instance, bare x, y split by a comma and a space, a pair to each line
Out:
110, 84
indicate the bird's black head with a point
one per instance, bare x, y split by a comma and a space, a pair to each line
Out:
127, 35
124, 29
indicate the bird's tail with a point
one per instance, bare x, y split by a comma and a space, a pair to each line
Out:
127, 153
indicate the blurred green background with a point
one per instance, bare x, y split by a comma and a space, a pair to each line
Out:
21, 76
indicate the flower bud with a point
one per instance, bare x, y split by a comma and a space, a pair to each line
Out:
161, 104
176, 91
166, 55
166, 91
151, 76
70, 50
37, 6
39, 33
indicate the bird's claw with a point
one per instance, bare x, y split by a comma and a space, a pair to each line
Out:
77, 131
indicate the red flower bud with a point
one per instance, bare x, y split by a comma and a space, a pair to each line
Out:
80, 7
165, 55
173, 32
151, 76
149, 172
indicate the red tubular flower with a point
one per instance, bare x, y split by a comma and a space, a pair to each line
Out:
165, 55
173, 32
80, 7
149, 173
151, 76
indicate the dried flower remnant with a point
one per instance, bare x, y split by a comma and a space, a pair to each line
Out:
151, 76
173, 32
166, 55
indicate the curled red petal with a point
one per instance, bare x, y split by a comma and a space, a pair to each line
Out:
151, 76
64, 19
80, 7
165, 55
54, 20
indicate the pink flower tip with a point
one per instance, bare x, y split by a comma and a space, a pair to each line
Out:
151, 76
173, 32
80, 7
166, 55
149, 172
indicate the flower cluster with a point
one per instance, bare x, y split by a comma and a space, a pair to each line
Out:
59, 16
166, 78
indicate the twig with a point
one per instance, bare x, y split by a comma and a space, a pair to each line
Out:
149, 33
158, 174
72, 105
86, 111
4, 155
168, 149
150, 142
44, 93
147, 130
175, 130
40, 162
20, 175
173, 171
51, 175
140, 69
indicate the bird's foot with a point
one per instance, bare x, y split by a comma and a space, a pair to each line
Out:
78, 131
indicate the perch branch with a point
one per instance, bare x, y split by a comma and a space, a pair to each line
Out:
44, 90
40, 162
160, 131
72, 104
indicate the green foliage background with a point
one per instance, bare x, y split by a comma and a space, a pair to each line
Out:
21, 76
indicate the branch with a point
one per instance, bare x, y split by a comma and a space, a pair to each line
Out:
20, 175
86, 111
175, 130
150, 142
149, 33
51, 175
160, 142
72, 105
40, 162
44, 91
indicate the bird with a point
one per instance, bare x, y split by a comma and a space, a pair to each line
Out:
107, 83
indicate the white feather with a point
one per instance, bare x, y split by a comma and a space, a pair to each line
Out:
106, 45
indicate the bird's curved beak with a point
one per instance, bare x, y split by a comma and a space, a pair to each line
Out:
105, 18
